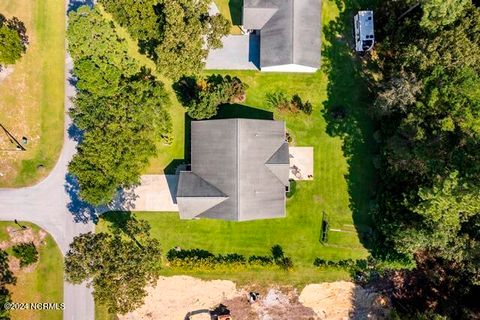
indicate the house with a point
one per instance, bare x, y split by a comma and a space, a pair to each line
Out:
279, 36
239, 171
364, 32
289, 33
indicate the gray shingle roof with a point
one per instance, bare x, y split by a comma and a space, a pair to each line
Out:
239, 170
290, 30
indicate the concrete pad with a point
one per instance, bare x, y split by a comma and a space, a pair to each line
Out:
239, 52
156, 193
301, 163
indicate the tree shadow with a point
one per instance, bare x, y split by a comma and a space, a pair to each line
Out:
82, 211
75, 133
236, 11
73, 5
346, 113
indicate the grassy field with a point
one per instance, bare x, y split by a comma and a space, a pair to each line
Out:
343, 172
32, 97
43, 284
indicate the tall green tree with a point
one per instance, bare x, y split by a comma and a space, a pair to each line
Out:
427, 108
120, 136
6, 278
117, 267
177, 34
120, 108
13, 40
438, 13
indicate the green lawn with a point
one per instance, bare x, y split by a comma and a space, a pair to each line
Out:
32, 97
44, 284
343, 171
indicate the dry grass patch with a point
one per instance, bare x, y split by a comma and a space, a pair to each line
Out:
32, 96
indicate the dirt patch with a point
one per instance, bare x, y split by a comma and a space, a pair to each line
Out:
175, 297
5, 72
179, 297
27, 235
16, 236
275, 304
344, 300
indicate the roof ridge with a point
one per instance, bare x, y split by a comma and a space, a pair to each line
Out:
293, 31
237, 156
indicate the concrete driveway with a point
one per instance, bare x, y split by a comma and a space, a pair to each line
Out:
155, 193
239, 52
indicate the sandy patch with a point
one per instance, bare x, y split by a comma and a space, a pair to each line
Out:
174, 297
5, 72
343, 300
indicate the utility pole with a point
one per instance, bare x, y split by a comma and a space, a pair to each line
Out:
12, 139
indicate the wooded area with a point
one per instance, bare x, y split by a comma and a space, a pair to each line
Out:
427, 110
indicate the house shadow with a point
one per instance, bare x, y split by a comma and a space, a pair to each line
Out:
254, 49
73, 5
236, 110
236, 13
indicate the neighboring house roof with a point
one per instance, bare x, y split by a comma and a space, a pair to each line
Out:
289, 30
239, 170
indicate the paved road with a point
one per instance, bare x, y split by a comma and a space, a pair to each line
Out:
53, 205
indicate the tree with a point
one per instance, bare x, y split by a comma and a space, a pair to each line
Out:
120, 108
177, 34
26, 252
202, 97
13, 40
427, 111
120, 135
6, 278
100, 56
438, 13
118, 268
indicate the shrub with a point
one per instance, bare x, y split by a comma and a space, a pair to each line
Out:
279, 100
260, 260
292, 189
202, 97
204, 260
26, 252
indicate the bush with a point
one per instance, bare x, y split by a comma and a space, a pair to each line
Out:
202, 97
292, 189
205, 260
279, 100
26, 252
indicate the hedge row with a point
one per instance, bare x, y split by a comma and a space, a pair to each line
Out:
205, 260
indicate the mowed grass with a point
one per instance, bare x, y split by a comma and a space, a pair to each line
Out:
342, 185
44, 284
32, 97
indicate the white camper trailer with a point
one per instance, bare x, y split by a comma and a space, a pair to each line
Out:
364, 33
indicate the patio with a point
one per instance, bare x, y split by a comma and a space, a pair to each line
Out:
301, 163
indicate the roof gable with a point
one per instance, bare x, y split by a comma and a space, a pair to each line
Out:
232, 154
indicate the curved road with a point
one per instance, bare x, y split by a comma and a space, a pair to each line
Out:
49, 205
